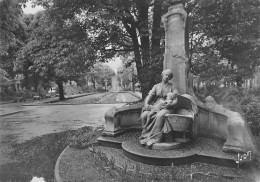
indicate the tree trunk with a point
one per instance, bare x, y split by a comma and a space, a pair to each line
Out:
133, 81
26, 81
144, 65
139, 65
35, 81
61, 90
145, 46
156, 38
239, 81
94, 83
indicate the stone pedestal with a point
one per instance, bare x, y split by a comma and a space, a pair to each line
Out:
175, 57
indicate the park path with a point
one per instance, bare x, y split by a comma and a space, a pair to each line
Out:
40, 119
36, 121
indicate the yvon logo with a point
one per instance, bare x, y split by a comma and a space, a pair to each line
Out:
243, 157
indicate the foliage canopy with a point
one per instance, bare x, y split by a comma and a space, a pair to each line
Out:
64, 41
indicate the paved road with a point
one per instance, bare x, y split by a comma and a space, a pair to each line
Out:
105, 98
35, 121
38, 120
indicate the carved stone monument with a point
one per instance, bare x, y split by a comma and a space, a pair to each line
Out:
175, 57
211, 121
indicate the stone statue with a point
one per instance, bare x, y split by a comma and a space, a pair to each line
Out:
153, 127
161, 102
158, 118
171, 99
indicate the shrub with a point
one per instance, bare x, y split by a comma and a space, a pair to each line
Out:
100, 89
255, 91
72, 89
28, 94
252, 115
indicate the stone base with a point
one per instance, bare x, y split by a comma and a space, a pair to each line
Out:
201, 149
233, 149
109, 142
166, 146
182, 140
112, 133
234, 146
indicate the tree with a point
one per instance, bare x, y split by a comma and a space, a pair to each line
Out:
57, 50
3, 77
224, 40
124, 77
224, 35
134, 22
12, 34
127, 74
101, 74
117, 26
10, 23
23, 63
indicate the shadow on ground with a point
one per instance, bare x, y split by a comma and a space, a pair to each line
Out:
37, 157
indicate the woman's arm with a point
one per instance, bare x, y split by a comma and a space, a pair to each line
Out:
150, 98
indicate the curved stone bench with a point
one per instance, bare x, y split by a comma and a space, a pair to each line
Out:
119, 120
216, 122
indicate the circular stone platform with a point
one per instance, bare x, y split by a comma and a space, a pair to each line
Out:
166, 146
201, 149
182, 140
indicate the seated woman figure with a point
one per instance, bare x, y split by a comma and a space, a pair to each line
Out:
154, 125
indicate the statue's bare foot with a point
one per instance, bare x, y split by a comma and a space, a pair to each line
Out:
149, 143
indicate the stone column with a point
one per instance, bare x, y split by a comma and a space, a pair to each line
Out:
175, 57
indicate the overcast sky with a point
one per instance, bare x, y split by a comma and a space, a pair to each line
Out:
30, 10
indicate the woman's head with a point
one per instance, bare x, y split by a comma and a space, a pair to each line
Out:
167, 75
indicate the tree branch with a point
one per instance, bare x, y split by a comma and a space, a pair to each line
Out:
125, 45
104, 25
190, 8
118, 50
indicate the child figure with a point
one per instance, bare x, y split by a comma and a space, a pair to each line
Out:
171, 98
